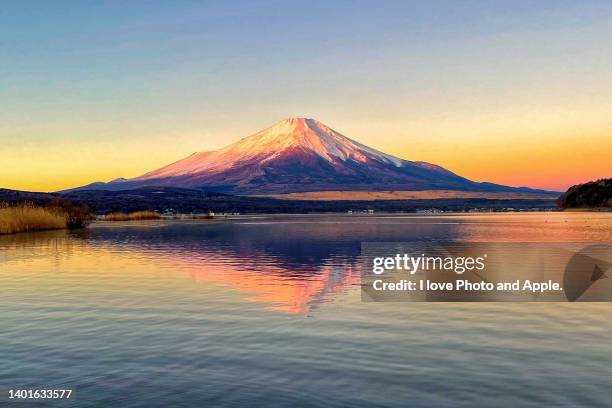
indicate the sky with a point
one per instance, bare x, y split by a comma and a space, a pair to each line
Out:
512, 92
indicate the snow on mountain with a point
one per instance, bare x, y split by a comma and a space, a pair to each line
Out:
300, 155
270, 143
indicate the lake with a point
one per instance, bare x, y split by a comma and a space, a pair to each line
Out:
267, 311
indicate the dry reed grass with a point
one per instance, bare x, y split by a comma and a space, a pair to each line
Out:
145, 215
137, 215
27, 217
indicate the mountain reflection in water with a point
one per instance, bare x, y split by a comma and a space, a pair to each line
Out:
292, 263
264, 311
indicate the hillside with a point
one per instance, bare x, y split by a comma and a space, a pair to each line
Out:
595, 194
408, 195
18, 196
190, 200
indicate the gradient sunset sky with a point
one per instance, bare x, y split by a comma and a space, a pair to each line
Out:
512, 92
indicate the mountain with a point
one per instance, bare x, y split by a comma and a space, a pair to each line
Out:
17, 196
183, 200
594, 194
301, 155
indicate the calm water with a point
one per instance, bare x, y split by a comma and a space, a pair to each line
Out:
266, 311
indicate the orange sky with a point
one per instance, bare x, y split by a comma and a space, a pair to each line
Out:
517, 94
534, 154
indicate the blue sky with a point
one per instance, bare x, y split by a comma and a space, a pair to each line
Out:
415, 79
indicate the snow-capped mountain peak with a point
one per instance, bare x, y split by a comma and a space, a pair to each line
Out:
308, 134
300, 155
289, 134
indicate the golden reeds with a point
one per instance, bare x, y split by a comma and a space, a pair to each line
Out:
27, 217
137, 215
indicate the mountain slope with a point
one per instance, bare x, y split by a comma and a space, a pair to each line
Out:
594, 194
301, 155
197, 201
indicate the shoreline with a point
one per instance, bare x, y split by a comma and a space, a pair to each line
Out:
334, 214
100, 221
595, 209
